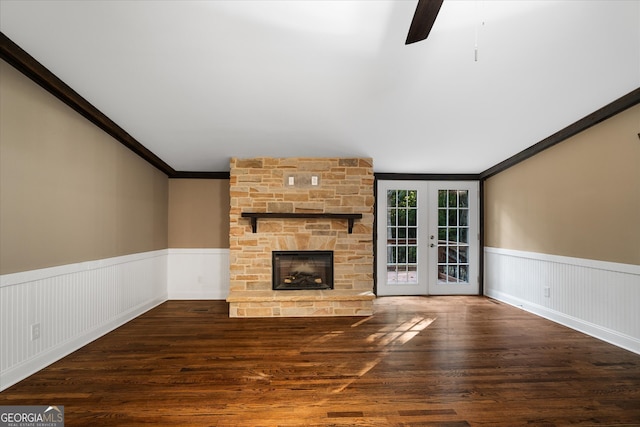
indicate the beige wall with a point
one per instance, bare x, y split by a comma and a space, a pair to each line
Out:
199, 213
68, 191
580, 198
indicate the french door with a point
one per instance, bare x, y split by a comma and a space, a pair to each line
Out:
427, 238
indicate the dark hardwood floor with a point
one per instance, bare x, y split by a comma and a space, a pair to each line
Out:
434, 361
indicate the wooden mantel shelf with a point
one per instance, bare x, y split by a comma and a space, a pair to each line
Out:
350, 217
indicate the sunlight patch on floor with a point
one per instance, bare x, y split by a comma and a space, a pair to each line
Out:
385, 337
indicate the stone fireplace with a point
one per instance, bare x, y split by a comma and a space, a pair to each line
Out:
310, 206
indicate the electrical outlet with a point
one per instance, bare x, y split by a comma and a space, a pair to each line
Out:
35, 331
547, 292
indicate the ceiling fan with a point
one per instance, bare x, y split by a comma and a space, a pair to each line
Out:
423, 19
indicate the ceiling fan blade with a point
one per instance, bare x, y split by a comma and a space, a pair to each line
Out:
423, 19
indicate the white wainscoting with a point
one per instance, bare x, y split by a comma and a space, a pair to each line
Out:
198, 274
73, 305
601, 299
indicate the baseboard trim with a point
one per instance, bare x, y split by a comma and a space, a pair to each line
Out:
28, 367
604, 334
591, 296
74, 304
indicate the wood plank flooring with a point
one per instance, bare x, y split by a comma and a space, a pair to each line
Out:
418, 361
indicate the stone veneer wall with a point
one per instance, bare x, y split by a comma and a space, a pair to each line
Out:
345, 185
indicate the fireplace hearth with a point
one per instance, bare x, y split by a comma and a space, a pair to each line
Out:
299, 270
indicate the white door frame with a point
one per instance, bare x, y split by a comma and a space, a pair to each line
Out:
472, 286
427, 282
419, 287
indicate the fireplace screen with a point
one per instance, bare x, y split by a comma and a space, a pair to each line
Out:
302, 270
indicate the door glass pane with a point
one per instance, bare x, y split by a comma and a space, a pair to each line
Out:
442, 234
391, 254
453, 217
452, 273
463, 199
463, 235
412, 252
413, 233
402, 236
442, 198
464, 273
464, 217
463, 254
402, 232
453, 199
453, 236
412, 220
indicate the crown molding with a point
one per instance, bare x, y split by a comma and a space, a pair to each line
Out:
619, 105
39, 74
426, 176
200, 175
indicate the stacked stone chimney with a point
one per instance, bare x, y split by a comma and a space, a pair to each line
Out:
301, 185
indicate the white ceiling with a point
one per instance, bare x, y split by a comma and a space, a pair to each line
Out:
198, 82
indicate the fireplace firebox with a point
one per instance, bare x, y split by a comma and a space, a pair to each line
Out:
296, 270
